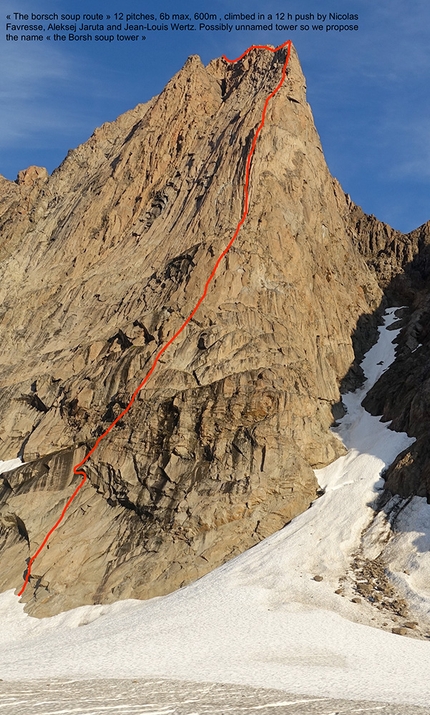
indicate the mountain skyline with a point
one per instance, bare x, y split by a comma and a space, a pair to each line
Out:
368, 91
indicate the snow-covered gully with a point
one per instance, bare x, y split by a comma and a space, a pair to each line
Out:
309, 611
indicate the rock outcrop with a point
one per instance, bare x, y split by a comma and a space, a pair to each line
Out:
401, 265
102, 262
403, 392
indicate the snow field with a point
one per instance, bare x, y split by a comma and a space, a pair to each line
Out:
262, 620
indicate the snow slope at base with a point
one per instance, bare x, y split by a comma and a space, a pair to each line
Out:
260, 619
408, 554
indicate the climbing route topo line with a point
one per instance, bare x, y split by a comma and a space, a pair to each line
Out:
77, 469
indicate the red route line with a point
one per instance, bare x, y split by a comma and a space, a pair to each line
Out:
77, 467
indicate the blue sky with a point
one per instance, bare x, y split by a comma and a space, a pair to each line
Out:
369, 90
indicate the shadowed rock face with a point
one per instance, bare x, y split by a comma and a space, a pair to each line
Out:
401, 264
100, 265
403, 392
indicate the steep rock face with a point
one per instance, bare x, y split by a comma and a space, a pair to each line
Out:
401, 262
101, 264
401, 265
403, 392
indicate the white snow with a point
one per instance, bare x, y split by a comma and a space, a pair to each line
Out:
408, 555
9, 464
261, 619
